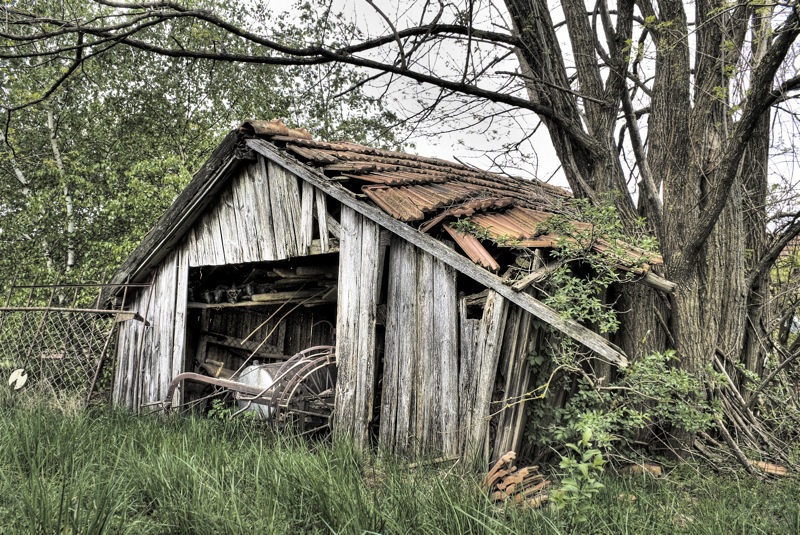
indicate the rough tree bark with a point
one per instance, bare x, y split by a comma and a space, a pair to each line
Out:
713, 229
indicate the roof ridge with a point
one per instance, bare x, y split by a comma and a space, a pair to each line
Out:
276, 130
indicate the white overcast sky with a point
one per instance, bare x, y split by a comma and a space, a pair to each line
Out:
480, 145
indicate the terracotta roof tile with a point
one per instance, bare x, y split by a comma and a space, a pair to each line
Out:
431, 192
473, 249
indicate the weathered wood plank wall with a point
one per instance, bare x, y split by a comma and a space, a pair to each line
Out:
419, 402
514, 375
149, 357
355, 326
479, 359
440, 367
260, 216
129, 336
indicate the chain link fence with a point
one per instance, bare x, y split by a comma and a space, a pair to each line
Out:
61, 338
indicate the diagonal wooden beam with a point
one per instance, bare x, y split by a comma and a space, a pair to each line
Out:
602, 347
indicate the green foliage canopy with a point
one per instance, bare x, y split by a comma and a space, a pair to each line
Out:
130, 128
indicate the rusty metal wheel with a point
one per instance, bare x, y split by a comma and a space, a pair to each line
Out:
303, 396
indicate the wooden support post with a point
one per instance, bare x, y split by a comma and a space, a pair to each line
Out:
487, 353
355, 327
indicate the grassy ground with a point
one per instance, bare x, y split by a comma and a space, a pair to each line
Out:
109, 472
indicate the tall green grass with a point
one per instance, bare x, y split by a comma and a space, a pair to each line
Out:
110, 472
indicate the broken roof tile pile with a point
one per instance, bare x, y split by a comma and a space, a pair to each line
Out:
431, 194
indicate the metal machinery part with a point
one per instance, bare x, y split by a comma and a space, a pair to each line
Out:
301, 394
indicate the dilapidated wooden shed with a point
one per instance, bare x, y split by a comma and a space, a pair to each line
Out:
281, 243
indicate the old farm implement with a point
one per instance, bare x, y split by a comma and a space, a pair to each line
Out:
298, 392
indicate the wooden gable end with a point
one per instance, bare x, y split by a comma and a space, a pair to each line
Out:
264, 214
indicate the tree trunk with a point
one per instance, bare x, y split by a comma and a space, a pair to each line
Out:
68, 199
720, 304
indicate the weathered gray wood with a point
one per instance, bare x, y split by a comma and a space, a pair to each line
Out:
293, 208
135, 371
239, 218
197, 237
419, 411
355, 328
126, 353
391, 365
143, 305
489, 341
163, 329
306, 218
120, 385
536, 275
286, 297
446, 326
316, 247
333, 226
515, 372
526, 377
179, 334
369, 286
201, 238
427, 369
263, 209
405, 340
149, 371
211, 250
189, 243
585, 336
658, 282
347, 330
321, 213
466, 374
285, 204
246, 215
229, 232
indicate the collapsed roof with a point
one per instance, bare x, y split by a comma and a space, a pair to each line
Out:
447, 199
426, 201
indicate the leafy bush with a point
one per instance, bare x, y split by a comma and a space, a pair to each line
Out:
581, 480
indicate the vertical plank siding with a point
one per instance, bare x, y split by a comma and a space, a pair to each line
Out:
259, 217
514, 377
468, 330
179, 321
244, 195
321, 213
419, 403
284, 198
144, 378
263, 210
399, 354
232, 239
479, 383
306, 219
355, 327
440, 367
446, 327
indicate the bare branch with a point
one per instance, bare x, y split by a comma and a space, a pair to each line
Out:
760, 98
400, 50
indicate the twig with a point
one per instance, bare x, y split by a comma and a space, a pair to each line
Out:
735, 448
